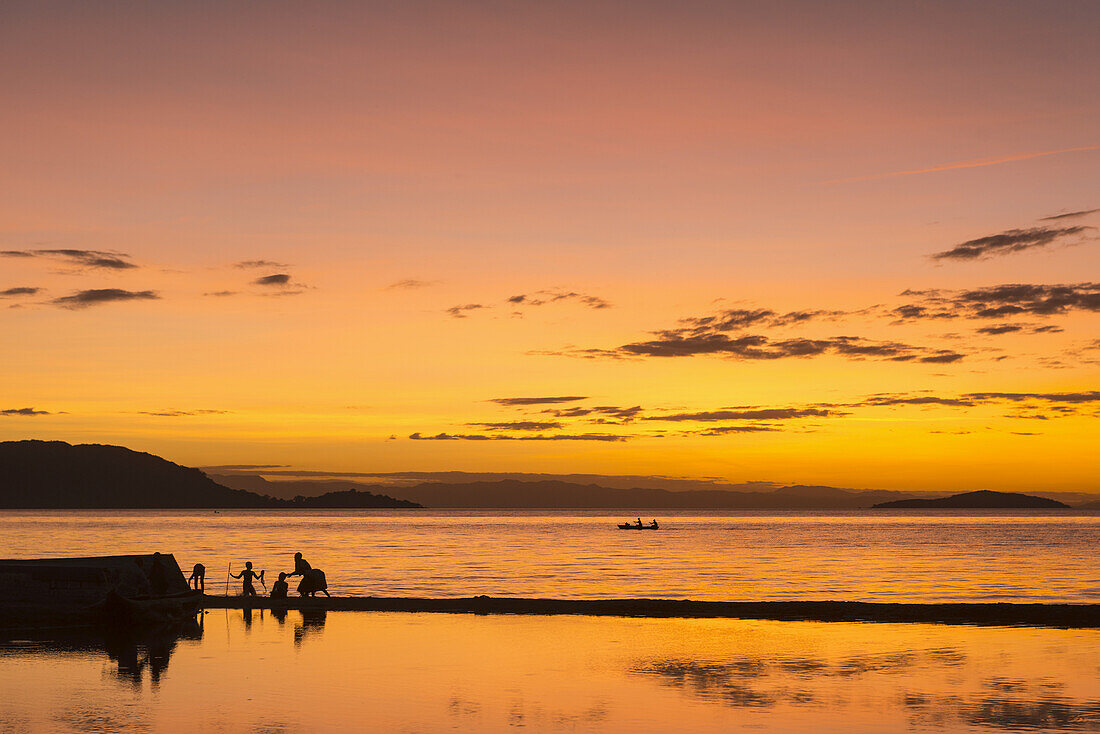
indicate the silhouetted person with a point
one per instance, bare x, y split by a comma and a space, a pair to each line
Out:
197, 579
654, 523
247, 589
280, 588
313, 579
638, 522
158, 576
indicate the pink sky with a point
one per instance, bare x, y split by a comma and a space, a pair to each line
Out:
672, 160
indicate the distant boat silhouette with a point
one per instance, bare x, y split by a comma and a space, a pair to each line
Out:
634, 526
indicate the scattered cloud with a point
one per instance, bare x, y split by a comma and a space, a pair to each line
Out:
1071, 398
276, 279
19, 291
888, 399
503, 437
459, 312
98, 296
520, 425
748, 414
81, 258
538, 401
410, 283
221, 294
1014, 240
541, 298
24, 411
1069, 215
603, 411
675, 343
181, 413
735, 319
999, 329
252, 264
1000, 301
727, 430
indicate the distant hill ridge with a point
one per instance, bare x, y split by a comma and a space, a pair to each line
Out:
58, 475
982, 499
556, 494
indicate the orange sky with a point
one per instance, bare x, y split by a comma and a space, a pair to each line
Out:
631, 169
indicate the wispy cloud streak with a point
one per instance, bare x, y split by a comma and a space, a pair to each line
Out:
957, 165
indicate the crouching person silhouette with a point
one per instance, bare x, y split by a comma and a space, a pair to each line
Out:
280, 588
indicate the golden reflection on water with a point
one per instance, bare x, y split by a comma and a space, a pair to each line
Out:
347, 671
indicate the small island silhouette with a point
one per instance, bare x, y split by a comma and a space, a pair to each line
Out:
982, 499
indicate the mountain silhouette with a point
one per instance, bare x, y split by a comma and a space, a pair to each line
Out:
556, 494
982, 499
58, 475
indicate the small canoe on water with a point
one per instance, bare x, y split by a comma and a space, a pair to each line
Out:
635, 526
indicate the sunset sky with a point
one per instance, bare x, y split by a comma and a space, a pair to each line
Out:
837, 243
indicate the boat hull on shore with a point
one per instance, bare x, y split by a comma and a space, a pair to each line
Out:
113, 590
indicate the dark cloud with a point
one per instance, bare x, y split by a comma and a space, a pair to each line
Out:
276, 279
20, 291
999, 329
735, 319
251, 264
750, 414
82, 258
1014, 240
541, 298
624, 415
674, 343
95, 297
539, 437
1000, 301
410, 283
1069, 215
727, 430
181, 413
459, 312
887, 399
538, 401
24, 411
519, 425
221, 294
1070, 398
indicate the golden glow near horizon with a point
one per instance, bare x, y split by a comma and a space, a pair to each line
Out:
236, 234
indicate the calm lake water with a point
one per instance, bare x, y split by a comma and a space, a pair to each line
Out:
346, 671
856, 555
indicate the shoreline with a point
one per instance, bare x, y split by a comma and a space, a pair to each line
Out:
997, 613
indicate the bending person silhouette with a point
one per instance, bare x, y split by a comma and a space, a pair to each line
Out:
313, 579
247, 589
197, 579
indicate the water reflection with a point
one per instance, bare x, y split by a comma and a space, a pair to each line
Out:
288, 672
1000, 703
313, 622
134, 652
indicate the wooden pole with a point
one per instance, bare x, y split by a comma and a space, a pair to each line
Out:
227, 577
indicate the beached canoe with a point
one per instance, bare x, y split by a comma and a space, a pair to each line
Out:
119, 590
